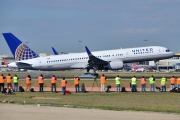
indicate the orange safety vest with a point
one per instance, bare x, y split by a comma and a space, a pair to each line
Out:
28, 80
1, 79
143, 81
9, 79
173, 80
63, 83
76, 81
40, 79
53, 80
178, 80
103, 79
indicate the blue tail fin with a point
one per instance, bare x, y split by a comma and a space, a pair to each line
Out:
88, 51
54, 51
19, 50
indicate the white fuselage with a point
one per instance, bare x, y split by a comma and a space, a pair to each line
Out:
80, 60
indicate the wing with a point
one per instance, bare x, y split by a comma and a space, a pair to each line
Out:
95, 60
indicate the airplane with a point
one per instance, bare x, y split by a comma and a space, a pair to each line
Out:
97, 60
54, 51
5, 63
140, 68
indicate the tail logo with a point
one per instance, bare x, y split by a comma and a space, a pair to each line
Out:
23, 53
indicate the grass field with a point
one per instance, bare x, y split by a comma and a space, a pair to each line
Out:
155, 102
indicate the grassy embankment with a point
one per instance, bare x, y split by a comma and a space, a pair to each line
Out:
155, 102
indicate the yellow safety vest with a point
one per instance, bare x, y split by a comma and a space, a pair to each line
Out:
117, 79
163, 81
15, 79
133, 81
151, 80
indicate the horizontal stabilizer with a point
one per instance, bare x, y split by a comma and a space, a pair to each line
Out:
22, 65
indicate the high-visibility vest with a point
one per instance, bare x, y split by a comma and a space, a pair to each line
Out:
53, 80
133, 81
15, 79
1, 79
9, 79
103, 79
117, 80
151, 80
163, 81
76, 81
28, 81
173, 80
40, 79
143, 81
178, 80
63, 83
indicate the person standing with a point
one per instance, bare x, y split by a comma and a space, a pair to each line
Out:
163, 84
172, 81
76, 83
103, 82
2, 82
151, 81
133, 84
28, 83
53, 83
143, 84
9, 80
41, 83
178, 82
118, 83
63, 85
15, 81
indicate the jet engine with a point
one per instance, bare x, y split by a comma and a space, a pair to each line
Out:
114, 65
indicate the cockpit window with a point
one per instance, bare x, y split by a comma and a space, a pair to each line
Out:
167, 50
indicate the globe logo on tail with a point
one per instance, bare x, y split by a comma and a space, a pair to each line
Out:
24, 53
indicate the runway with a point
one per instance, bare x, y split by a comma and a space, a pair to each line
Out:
36, 112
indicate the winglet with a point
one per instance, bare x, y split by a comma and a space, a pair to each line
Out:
54, 51
88, 51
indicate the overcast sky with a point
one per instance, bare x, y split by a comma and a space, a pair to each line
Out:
98, 24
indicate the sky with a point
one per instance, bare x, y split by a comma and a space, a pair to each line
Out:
69, 25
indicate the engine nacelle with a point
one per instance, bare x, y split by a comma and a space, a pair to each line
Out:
115, 65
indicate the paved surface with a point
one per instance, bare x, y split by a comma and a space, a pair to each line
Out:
35, 112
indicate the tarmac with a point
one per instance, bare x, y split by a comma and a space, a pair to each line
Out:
37, 112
